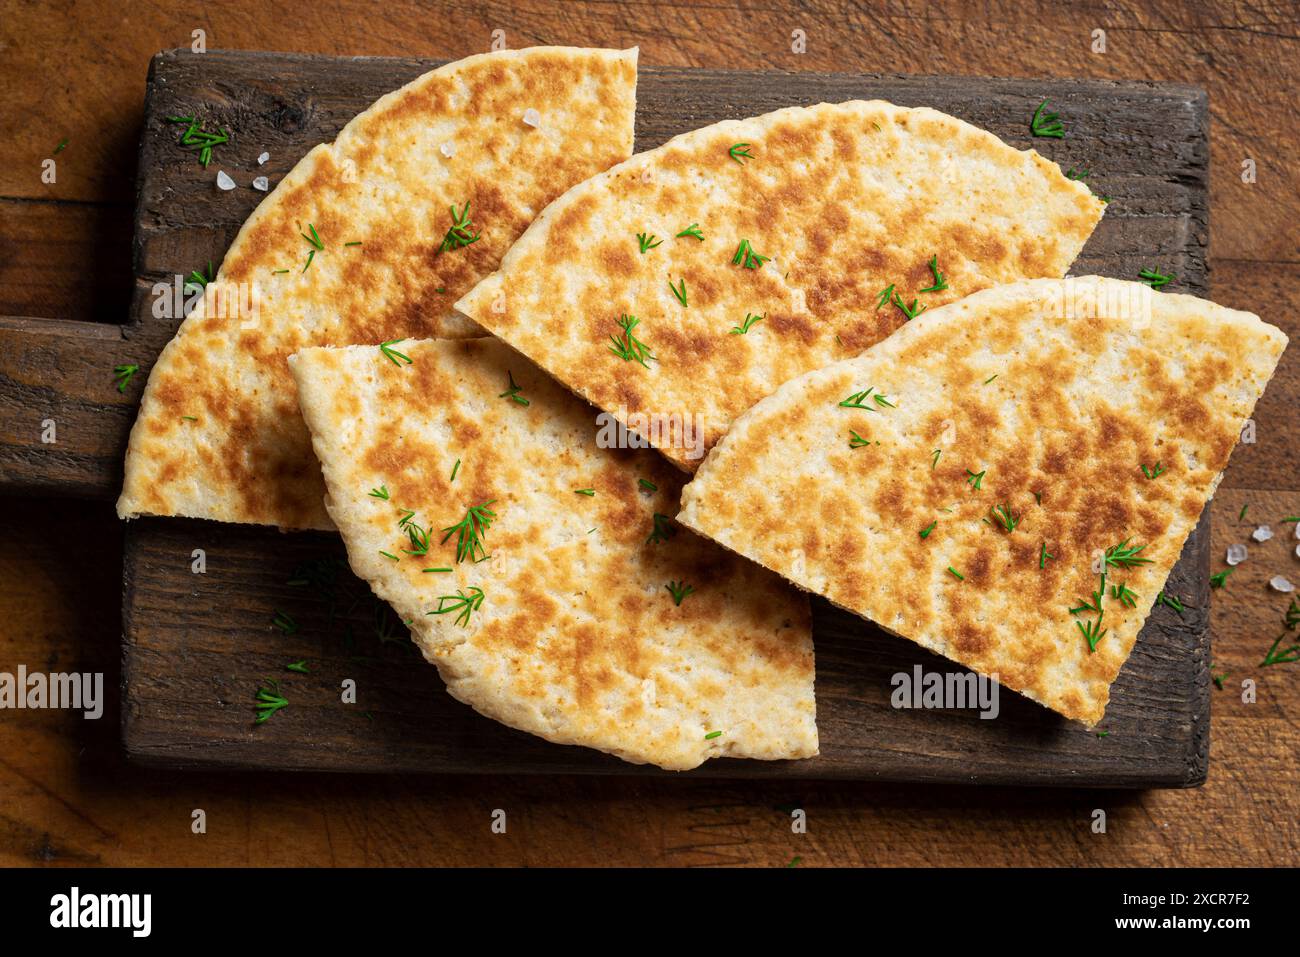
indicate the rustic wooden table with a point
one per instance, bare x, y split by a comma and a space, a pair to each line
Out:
76, 71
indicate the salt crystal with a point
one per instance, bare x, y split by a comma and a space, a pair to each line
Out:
1297, 551
224, 181
263, 158
1278, 583
447, 149
1236, 554
1297, 529
532, 117
262, 183
1262, 534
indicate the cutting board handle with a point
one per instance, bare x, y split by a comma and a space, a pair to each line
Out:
63, 422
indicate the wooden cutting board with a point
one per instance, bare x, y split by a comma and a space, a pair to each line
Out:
197, 645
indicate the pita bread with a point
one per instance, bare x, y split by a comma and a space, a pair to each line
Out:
847, 199
1046, 398
219, 435
577, 637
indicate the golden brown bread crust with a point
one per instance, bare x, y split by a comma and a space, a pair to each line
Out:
848, 198
577, 638
219, 435
1079, 404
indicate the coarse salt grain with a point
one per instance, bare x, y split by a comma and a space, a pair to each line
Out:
1278, 583
263, 158
1262, 534
224, 181
447, 149
262, 183
1236, 554
532, 117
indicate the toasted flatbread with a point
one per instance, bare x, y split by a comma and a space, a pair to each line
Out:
581, 613
851, 201
1094, 416
486, 142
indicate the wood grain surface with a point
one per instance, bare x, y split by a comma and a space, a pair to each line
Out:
76, 70
198, 646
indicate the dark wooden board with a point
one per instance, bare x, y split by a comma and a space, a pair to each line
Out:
197, 645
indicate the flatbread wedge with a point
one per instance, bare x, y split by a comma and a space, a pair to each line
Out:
1007, 480
678, 288
568, 603
369, 238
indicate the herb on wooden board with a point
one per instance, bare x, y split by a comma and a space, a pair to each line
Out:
1171, 601
196, 138
1155, 279
124, 374
1046, 124
199, 280
269, 701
